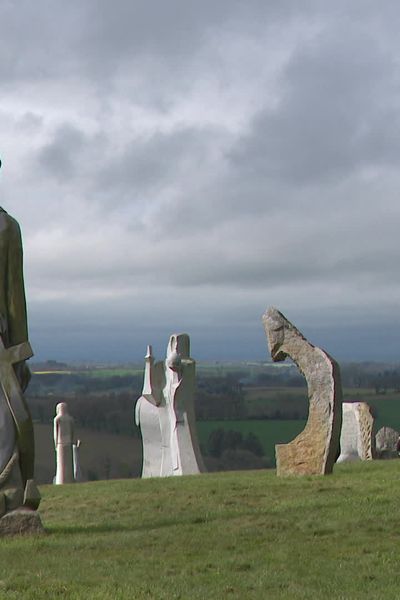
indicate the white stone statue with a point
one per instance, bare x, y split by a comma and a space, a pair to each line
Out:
64, 441
165, 413
356, 438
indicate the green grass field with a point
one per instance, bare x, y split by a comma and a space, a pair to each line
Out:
386, 406
239, 535
268, 432
278, 431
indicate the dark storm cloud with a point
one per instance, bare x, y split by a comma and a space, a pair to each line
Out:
60, 156
153, 162
336, 114
183, 164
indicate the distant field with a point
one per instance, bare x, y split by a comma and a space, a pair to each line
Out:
269, 432
106, 373
103, 455
386, 408
111, 372
269, 404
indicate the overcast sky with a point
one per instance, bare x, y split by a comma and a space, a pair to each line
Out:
182, 165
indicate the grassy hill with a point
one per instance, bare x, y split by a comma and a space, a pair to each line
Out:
222, 535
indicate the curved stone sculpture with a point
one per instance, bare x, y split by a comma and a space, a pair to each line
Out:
356, 438
165, 413
314, 450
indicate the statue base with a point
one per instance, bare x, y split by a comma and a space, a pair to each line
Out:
21, 521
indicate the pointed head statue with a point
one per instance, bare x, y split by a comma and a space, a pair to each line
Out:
178, 348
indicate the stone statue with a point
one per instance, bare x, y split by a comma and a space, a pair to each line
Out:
165, 413
356, 438
64, 441
18, 492
386, 443
314, 450
147, 416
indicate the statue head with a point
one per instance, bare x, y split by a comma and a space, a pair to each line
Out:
274, 324
178, 349
62, 408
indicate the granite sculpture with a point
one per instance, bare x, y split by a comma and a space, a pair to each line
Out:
19, 496
356, 438
386, 443
165, 413
63, 442
314, 450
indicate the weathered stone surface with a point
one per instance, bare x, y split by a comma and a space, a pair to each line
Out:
21, 522
314, 450
32, 495
147, 417
16, 428
356, 439
366, 448
165, 413
386, 443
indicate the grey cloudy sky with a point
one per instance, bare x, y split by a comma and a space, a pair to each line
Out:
181, 165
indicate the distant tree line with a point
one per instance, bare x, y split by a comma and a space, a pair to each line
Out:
220, 398
229, 450
372, 376
107, 403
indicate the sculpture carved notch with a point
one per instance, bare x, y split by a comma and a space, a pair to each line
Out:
314, 450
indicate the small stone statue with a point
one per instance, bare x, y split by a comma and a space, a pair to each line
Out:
386, 443
64, 441
165, 413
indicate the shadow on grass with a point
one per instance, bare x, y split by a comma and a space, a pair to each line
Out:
115, 527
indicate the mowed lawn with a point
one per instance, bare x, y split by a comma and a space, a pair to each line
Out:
221, 535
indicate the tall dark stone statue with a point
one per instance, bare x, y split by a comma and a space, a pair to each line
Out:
19, 496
